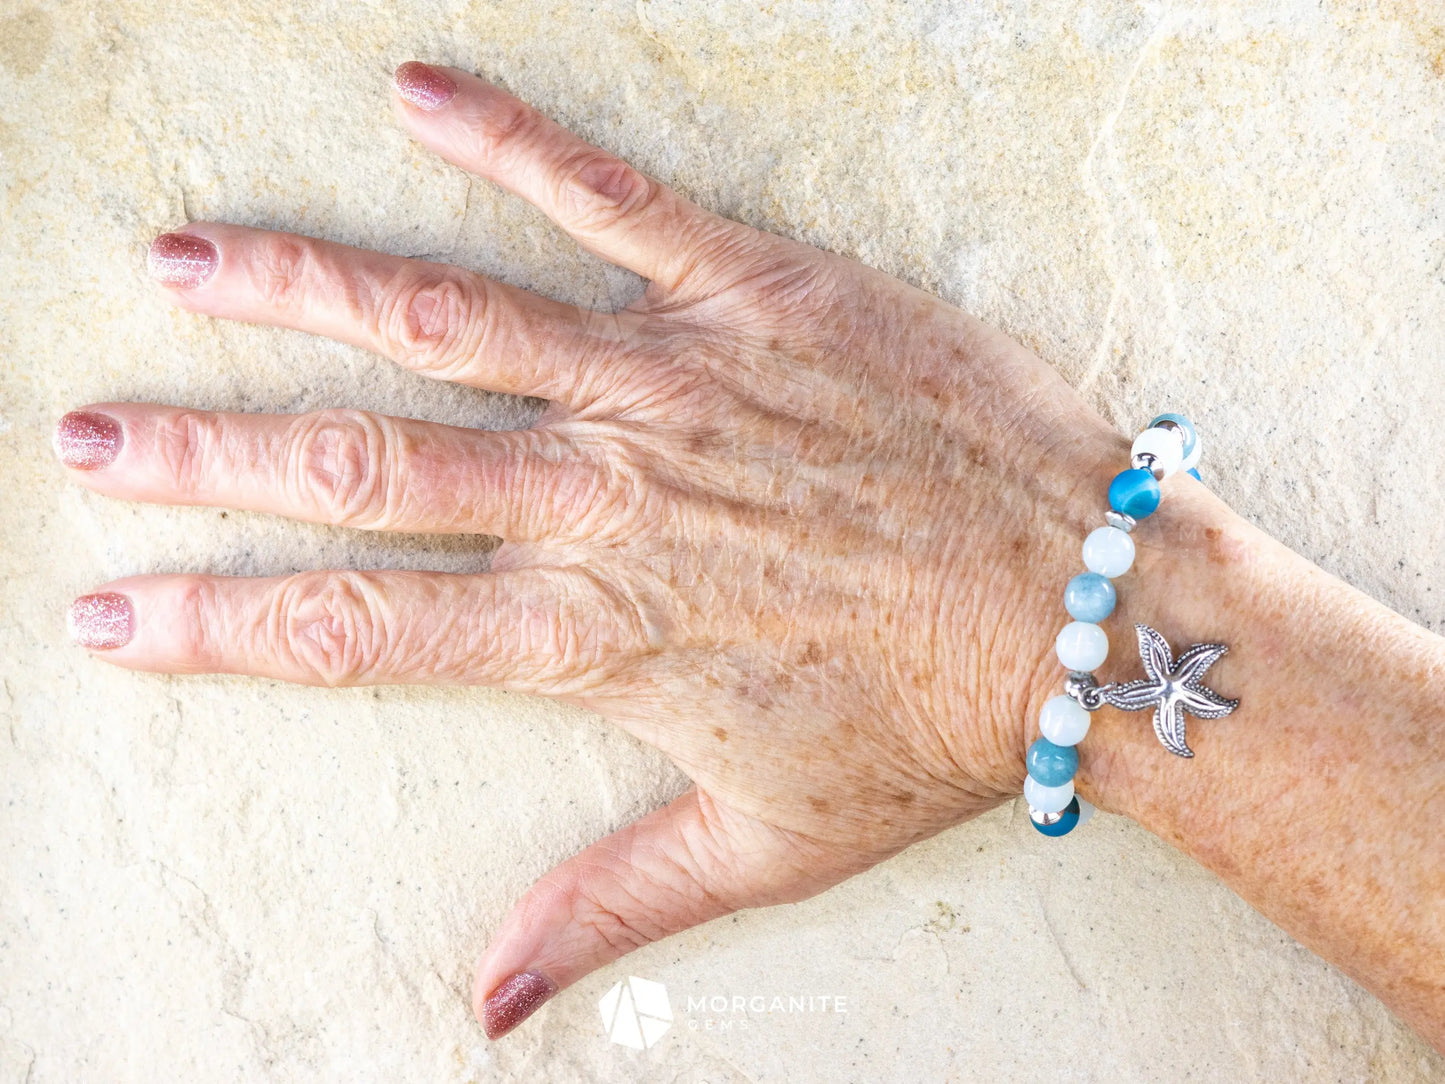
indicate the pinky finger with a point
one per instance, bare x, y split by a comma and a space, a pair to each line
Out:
545, 631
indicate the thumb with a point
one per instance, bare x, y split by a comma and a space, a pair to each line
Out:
685, 864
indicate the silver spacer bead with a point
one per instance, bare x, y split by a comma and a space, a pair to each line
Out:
1145, 461
1121, 520
1173, 427
1085, 689
1048, 820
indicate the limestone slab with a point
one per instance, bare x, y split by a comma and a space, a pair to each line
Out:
1230, 210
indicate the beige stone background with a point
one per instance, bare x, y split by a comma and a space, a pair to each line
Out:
1231, 210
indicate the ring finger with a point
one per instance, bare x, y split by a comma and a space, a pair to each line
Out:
349, 468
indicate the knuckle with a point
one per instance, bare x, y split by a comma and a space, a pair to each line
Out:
788, 283
598, 631
603, 905
576, 645
561, 643
577, 635
185, 444
433, 325
330, 626
650, 904
598, 191
342, 465
503, 129
616, 931
200, 612
278, 272
586, 492
621, 503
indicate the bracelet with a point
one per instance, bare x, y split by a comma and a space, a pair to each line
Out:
1170, 686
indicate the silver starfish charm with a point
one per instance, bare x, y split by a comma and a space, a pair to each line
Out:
1170, 689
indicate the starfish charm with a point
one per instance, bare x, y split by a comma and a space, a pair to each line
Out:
1171, 688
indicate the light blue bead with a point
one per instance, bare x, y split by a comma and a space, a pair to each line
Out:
1193, 472
1057, 824
1134, 492
1052, 765
1108, 551
1047, 799
1191, 437
1082, 645
1063, 721
1090, 597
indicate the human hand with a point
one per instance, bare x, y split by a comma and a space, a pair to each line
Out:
784, 519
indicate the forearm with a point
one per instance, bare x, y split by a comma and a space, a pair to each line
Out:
1319, 799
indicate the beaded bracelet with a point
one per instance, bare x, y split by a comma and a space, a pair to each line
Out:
1170, 686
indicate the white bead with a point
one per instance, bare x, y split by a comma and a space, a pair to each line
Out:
1048, 799
1086, 810
1063, 720
1082, 646
1164, 445
1108, 551
1192, 459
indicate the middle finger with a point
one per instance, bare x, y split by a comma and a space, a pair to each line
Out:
438, 320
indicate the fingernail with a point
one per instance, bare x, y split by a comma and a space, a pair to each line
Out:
515, 1000
102, 621
87, 441
424, 86
182, 260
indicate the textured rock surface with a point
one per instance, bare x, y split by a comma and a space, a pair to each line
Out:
1234, 213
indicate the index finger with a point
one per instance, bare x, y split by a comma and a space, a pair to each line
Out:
609, 207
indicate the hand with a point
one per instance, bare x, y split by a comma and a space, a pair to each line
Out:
795, 523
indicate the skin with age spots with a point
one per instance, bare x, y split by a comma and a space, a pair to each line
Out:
797, 524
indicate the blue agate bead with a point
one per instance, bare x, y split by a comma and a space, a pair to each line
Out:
1052, 765
1056, 824
1090, 597
1135, 492
1191, 438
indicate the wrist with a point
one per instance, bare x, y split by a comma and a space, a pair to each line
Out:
1316, 799
1200, 572
1197, 569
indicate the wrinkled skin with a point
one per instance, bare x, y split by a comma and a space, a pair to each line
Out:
797, 524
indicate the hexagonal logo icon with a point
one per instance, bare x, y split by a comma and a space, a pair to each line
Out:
636, 1012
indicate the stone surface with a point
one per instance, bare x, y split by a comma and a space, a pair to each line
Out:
1230, 211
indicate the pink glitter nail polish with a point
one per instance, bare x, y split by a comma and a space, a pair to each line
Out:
182, 260
102, 621
515, 1000
424, 86
87, 441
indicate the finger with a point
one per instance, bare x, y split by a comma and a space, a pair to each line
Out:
609, 207
551, 632
686, 864
347, 468
438, 320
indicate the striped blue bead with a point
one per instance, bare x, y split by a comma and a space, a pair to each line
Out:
1135, 492
1191, 438
1057, 824
1090, 597
1052, 765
